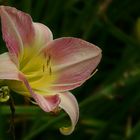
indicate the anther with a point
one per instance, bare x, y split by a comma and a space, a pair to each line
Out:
50, 70
48, 60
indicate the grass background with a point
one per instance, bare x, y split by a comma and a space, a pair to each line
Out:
109, 101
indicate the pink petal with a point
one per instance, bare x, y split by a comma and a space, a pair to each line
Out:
66, 101
46, 103
70, 105
17, 28
8, 70
43, 35
73, 60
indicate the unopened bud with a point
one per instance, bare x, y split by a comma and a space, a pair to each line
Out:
4, 94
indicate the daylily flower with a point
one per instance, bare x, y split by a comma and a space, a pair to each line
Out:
42, 68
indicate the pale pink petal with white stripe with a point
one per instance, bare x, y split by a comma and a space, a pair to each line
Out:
70, 106
17, 29
43, 35
8, 69
47, 103
73, 60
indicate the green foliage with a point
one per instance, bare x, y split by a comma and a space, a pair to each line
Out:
110, 100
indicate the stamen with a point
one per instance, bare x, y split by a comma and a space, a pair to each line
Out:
48, 65
50, 70
48, 60
43, 67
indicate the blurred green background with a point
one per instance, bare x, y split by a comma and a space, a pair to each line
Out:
109, 101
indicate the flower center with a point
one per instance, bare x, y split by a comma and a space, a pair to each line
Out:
37, 68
